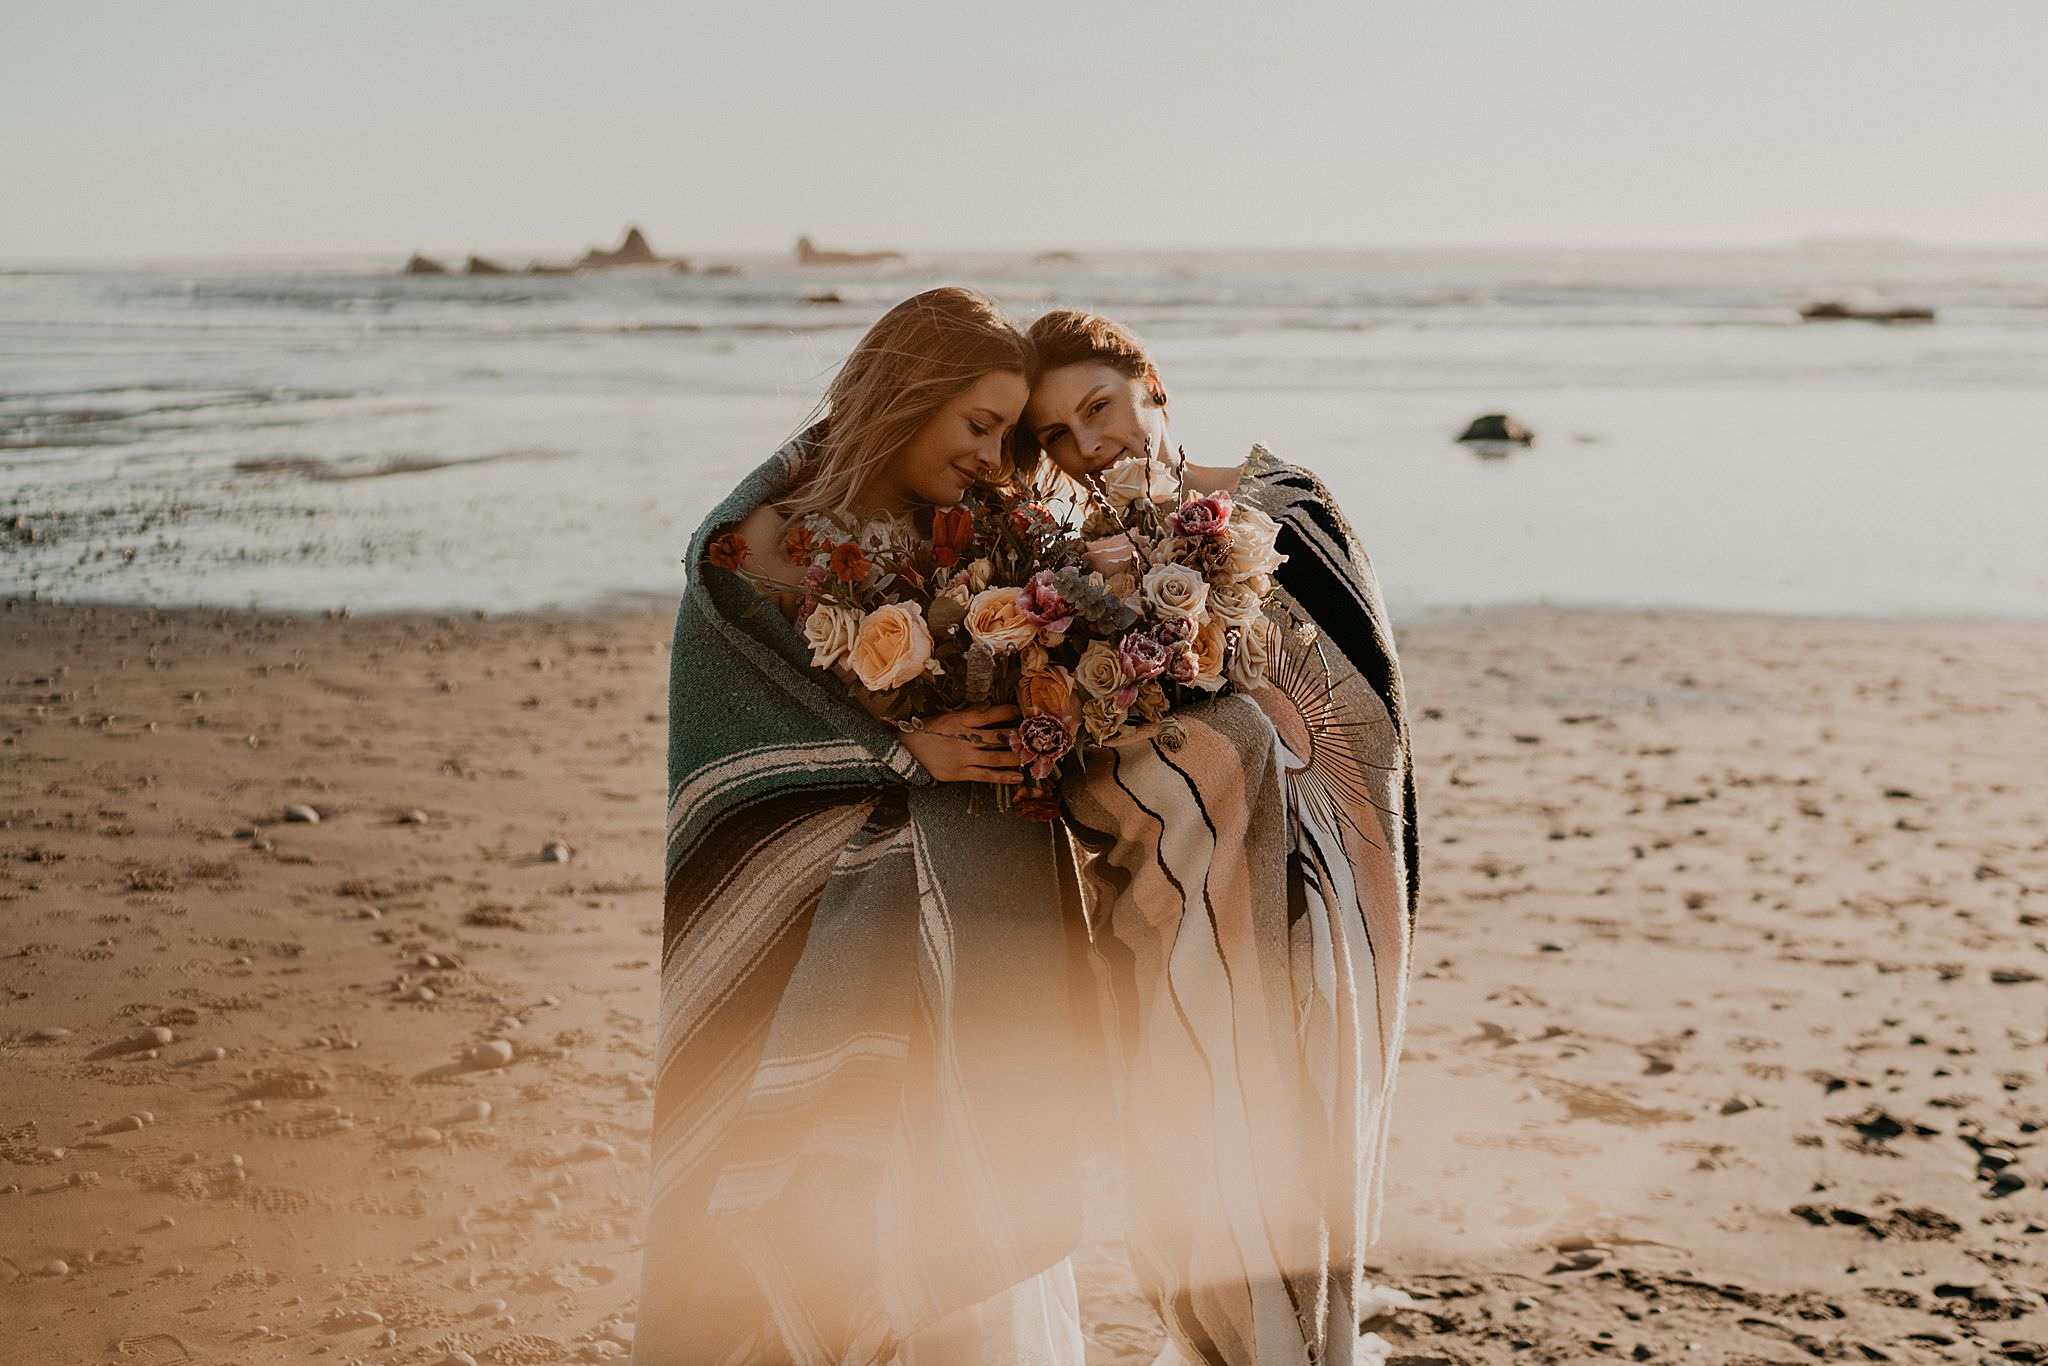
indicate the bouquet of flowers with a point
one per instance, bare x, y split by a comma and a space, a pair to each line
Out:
919, 621
993, 601
1191, 615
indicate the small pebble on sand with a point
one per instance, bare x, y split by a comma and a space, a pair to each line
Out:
54, 1268
489, 1053
474, 1112
305, 815
50, 1035
156, 1036
413, 818
554, 852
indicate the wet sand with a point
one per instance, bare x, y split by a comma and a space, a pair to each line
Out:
1727, 1042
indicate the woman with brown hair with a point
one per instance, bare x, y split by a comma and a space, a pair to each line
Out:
862, 1147
1252, 893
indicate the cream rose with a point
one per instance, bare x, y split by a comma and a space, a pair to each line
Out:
979, 573
1129, 480
1253, 655
831, 631
1209, 648
1252, 534
1103, 719
893, 647
1235, 604
1100, 670
995, 618
1174, 590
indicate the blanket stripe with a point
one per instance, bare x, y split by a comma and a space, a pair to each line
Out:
1254, 901
867, 1029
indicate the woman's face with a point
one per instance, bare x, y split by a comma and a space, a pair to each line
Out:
1090, 415
959, 445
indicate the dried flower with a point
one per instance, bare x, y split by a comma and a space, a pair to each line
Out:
1205, 518
1045, 605
727, 551
849, 565
1142, 655
799, 543
1040, 742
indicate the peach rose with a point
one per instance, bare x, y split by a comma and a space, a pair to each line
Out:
831, 631
1252, 535
1209, 647
995, 618
892, 648
1048, 691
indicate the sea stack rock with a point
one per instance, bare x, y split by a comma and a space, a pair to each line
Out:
424, 265
480, 266
1497, 427
634, 251
809, 253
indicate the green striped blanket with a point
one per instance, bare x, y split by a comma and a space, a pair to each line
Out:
868, 1068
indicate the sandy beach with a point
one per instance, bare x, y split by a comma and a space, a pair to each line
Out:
1727, 1041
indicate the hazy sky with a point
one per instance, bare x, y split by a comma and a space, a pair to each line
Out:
202, 126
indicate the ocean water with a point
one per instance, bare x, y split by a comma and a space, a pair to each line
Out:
309, 434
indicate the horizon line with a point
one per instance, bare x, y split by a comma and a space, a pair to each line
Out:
1809, 242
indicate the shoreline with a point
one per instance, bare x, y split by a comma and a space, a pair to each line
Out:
1727, 924
629, 605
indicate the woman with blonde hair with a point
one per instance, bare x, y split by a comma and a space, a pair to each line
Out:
1253, 893
863, 1137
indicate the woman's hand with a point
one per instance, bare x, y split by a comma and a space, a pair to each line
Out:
967, 746
1112, 555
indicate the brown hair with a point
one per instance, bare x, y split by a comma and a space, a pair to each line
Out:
1068, 336
918, 357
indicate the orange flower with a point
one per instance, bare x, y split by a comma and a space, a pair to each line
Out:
848, 563
952, 534
728, 551
1046, 692
798, 543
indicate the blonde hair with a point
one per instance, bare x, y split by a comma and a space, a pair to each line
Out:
918, 357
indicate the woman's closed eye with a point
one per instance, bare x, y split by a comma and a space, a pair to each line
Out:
1051, 435
976, 427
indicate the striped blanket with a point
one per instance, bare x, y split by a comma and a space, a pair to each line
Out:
865, 1106
1254, 894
